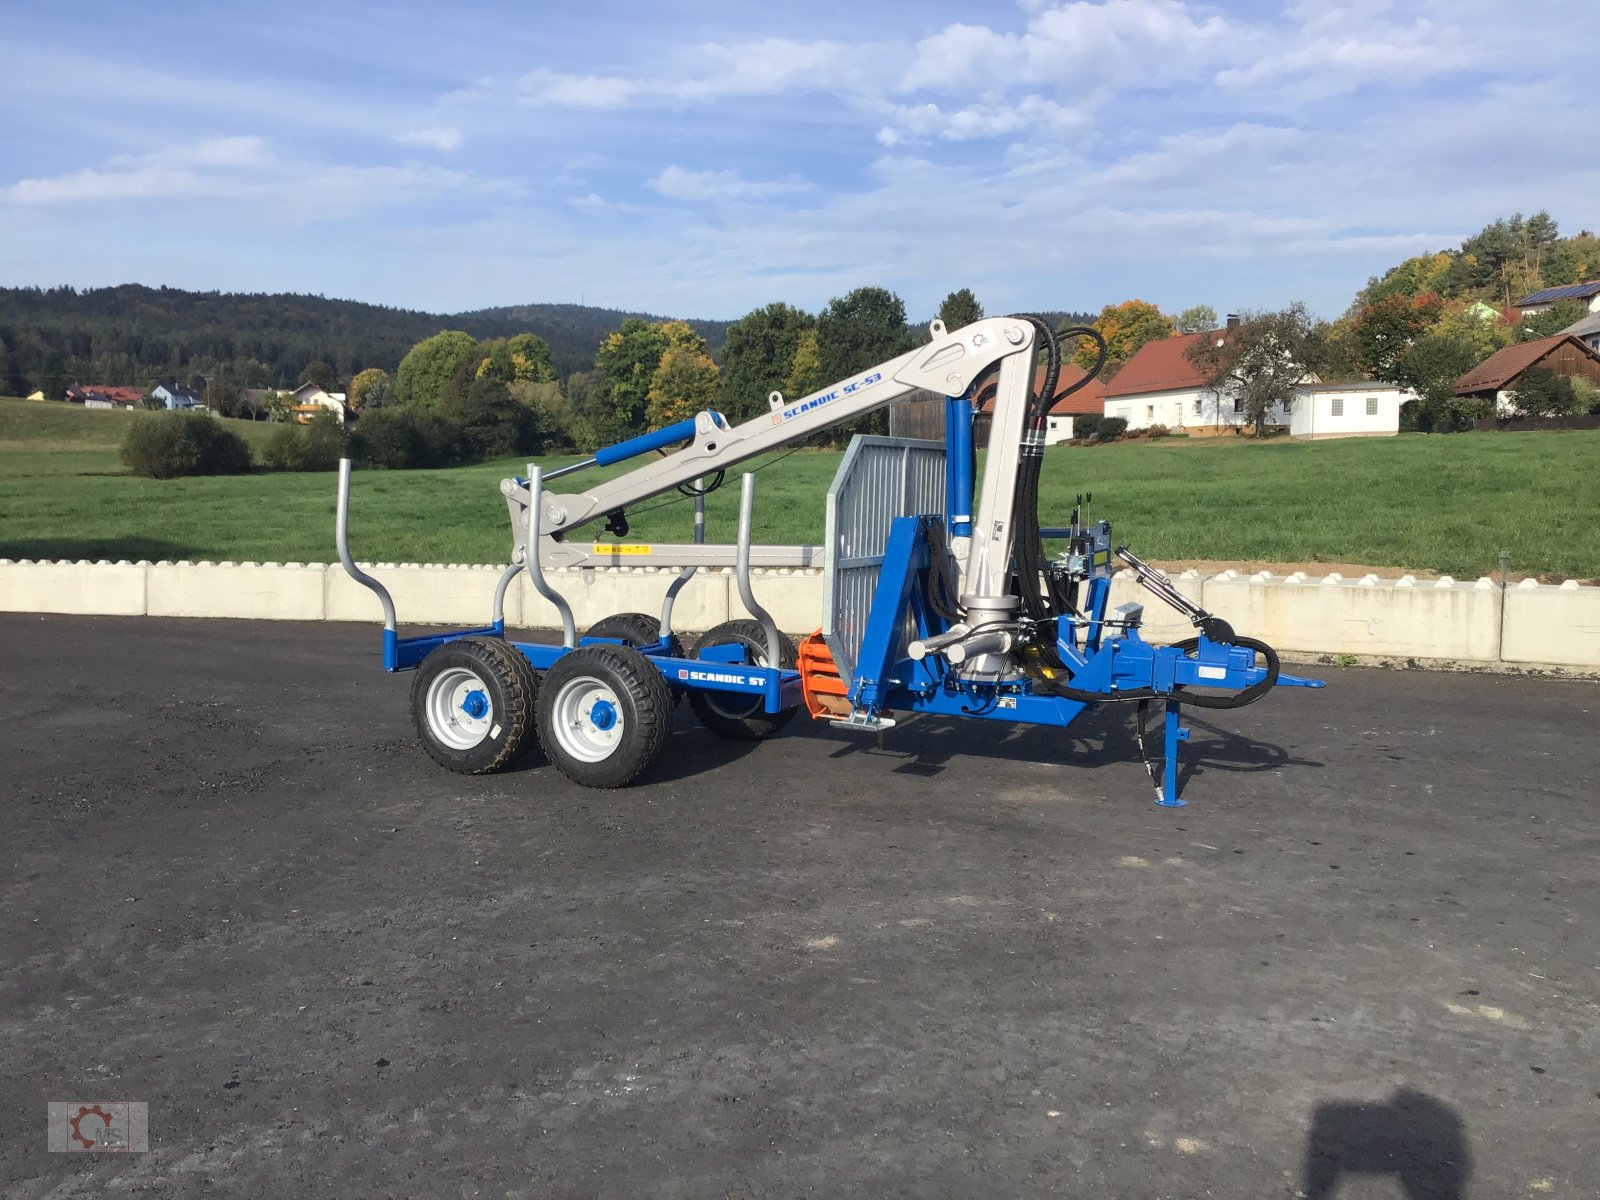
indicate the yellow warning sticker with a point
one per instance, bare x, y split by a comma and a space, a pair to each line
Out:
618, 548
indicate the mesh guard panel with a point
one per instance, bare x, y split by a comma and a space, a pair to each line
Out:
881, 478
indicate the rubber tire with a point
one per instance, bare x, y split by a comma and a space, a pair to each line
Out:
635, 629
645, 704
719, 711
512, 688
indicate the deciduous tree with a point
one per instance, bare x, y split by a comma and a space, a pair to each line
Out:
758, 355
1385, 329
628, 359
427, 367
684, 382
371, 388
320, 374
1196, 320
1126, 327
1261, 361
960, 308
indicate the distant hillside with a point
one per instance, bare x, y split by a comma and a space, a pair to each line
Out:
140, 336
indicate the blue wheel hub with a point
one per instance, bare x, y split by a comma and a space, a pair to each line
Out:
476, 704
603, 715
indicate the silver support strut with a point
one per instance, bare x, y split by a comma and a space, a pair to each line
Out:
500, 589
341, 537
747, 504
569, 631
687, 573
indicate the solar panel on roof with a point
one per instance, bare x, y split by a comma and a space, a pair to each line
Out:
1564, 292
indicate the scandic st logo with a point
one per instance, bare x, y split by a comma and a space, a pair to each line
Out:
710, 676
848, 389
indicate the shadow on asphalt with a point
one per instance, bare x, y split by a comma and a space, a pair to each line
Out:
929, 744
1417, 1139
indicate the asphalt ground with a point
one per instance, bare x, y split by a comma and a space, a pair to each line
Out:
976, 963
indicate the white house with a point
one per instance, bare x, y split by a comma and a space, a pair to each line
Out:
1160, 386
1074, 398
1588, 293
176, 398
308, 399
1366, 408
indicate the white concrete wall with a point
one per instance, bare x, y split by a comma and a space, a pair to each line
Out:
1444, 621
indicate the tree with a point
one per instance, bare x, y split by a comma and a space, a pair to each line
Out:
805, 371
224, 398
960, 308
370, 389
856, 331
628, 359
1438, 357
530, 359
1541, 392
1196, 320
859, 330
320, 374
1261, 361
1126, 327
427, 367
758, 355
684, 383
1552, 320
1415, 276
278, 405
1385, 329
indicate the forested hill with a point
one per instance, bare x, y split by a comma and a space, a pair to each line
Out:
138, 336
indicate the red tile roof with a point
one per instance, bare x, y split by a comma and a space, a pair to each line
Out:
1161, 366
1501, 367
1091, 398
122, 395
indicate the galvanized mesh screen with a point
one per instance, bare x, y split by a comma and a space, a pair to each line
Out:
879, 479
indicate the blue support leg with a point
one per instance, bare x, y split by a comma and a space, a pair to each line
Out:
1175, 733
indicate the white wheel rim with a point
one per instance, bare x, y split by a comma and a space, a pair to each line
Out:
459, 710
586, 718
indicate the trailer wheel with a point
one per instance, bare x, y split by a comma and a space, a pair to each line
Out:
604, 715
730, 715
473, 705
634, 629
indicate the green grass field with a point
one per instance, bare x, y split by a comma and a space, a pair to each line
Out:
1446, 504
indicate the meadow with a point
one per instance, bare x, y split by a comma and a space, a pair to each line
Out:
1445, 504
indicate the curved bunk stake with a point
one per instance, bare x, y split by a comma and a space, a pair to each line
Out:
747, 504
569, 629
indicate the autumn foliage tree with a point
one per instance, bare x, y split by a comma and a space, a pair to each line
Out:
1126, 327
627, 362
1386, 328
684, 383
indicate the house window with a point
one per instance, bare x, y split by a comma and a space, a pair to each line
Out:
1336, 408
1197, 406
1372, 406
1238, 404
1149, 412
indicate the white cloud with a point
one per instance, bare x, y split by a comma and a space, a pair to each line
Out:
439, 137
240, 169
678, 184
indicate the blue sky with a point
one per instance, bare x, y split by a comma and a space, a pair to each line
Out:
703, 159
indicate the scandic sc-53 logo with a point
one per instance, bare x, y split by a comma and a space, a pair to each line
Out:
848, 389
